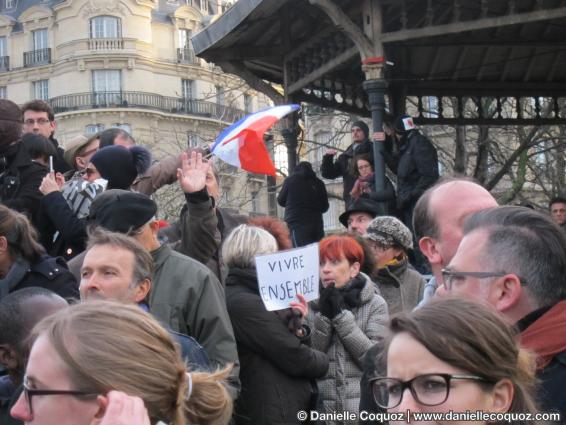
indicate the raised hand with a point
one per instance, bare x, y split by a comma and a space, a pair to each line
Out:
302, 306
192, 174
50, 183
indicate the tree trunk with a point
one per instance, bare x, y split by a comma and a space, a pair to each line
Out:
461, 154
480, 172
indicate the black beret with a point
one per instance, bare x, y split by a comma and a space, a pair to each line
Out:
121, 211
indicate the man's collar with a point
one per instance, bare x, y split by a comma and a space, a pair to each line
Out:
531, 318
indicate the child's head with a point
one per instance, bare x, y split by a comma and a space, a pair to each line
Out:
39, 148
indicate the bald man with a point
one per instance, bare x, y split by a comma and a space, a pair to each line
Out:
438, 219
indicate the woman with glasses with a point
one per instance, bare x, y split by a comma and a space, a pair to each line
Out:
90, 360
364, 186
454, 355
347, 319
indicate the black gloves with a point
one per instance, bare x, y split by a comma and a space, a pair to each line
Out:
331, 301
292, 318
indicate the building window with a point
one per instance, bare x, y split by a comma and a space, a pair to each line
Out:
185, 39
125, 127
40, 39
3, 92
187, 88
255, 201
280, 158
204, 6
330, 217
322, 139
193, 140
107, 86
220, 95
247, 103
3, 47
105, 27
93, 129
106, 80
10, 4
41, 90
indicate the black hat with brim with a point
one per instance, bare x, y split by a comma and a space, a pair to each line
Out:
360, 205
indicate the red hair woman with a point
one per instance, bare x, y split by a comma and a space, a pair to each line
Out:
348, 319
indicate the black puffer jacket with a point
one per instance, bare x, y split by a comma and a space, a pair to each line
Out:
20, 181
49, 273
331, 169
276, 366
303, 196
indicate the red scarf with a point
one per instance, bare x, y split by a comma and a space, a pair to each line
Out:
547, 335
361, 186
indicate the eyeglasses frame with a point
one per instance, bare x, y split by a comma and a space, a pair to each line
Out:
409, 384
30, 393
479, 275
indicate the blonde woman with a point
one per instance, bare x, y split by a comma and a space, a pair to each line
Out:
100, 360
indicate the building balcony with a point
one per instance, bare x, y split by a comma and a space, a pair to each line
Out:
37, 57
106, 44
187, 56
4, 63
142, 100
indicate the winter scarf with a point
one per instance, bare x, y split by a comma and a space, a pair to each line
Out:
362, 185
547, 335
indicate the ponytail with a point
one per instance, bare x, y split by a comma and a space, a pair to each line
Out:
205, 399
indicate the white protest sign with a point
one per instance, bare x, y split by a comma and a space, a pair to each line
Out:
283, 275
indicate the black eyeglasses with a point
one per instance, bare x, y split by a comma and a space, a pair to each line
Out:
40, 121
449, 277
431, 389
30, 393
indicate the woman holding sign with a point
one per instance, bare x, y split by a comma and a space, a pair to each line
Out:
348, 319
276, 364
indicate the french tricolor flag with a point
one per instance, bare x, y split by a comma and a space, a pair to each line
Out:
242, 145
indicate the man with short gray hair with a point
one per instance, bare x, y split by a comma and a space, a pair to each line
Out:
116, 267
514, 258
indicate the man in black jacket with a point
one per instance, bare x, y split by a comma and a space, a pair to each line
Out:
415, 162
40, 119
304, 198
331, 169
20, 177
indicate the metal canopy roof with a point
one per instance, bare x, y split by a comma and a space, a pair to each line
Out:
498, 54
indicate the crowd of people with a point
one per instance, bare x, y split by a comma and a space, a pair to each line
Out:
109, 318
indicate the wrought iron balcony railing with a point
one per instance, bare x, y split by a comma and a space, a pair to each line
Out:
186, 55
142, 100
37, 57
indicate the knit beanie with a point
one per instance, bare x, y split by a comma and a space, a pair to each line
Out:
389, 230
120, 165
363, 126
